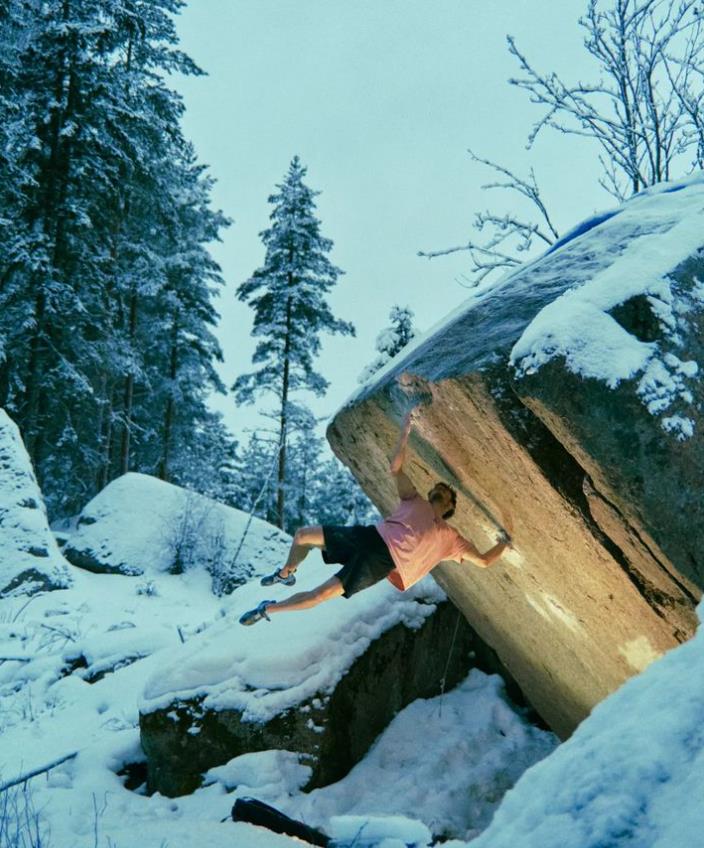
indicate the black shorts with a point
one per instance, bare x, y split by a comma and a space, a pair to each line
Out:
364, 553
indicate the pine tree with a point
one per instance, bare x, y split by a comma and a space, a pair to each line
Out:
106, 348
337, 497
391, 340
319, 488
287, 294
303, 461
255, 483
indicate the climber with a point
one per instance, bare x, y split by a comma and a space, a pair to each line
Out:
403, 547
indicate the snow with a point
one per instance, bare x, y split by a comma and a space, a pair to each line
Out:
474, 747
473, 738
577, 325
255, 676
25, 537
182, 525
631, 774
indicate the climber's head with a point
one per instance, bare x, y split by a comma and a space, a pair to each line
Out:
445, 497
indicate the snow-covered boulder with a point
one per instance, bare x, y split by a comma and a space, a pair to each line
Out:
322, 683
142, 525
567, 398
30, 560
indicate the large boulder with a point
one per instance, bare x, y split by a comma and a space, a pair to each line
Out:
566, 403
184, 529
30, 560
323, 683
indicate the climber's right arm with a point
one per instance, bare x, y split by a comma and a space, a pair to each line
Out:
405, 487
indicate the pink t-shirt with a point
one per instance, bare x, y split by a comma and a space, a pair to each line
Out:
418, 541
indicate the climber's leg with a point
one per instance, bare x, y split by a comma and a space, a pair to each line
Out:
332, 588
304, 539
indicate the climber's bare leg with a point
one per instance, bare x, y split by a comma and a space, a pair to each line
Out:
304, 539
303, 600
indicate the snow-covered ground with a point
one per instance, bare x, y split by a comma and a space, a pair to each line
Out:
475, 744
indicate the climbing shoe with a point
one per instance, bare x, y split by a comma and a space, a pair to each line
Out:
276, 577
255, 615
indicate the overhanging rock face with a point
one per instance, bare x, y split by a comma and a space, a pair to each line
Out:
566, 401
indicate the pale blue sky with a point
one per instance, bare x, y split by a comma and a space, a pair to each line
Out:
380, 99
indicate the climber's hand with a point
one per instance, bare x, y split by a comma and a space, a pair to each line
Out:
504, 538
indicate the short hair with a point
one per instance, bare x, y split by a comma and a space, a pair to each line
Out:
453, 497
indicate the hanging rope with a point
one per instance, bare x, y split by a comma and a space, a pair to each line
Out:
277, 453
447, 664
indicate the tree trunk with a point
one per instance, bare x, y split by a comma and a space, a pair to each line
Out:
129, 392
123, 206
55, 179
169, 411
105, 435
280, 499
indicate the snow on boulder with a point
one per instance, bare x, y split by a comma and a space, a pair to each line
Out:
30, 560
631, 774
567, 398
322, 683
140, 525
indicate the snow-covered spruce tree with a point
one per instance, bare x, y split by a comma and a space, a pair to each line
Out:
144, 122
14, 26
287, 294
336, 497
179, 369
255, 488
100, 174
54, 164
319, 489
391, 339
303, 458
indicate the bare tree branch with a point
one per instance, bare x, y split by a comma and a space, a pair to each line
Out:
645, 112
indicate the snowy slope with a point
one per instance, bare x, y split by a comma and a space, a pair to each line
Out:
26, 542
632, 774
131, 624
445, 761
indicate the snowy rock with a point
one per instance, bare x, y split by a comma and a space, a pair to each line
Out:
183, 530
323, 684
30, 560
567, 399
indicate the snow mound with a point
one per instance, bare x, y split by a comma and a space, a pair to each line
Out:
142, 525
265, 669
631, 774
30, 558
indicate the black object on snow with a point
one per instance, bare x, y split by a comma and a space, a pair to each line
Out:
257, 812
